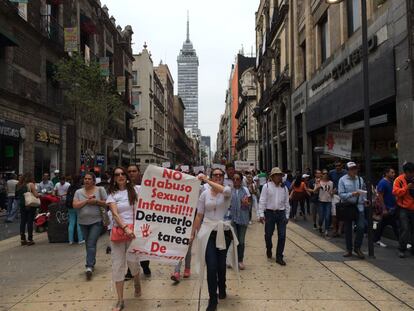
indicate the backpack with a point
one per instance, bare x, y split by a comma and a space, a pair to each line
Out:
70, 195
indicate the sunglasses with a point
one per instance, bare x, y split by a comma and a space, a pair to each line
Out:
218, 175
119, 174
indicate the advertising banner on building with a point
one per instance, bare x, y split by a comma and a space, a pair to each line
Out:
244, 166
338, 144
104, 66
165, 213
71, 39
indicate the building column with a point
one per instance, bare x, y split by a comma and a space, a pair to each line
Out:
288, 131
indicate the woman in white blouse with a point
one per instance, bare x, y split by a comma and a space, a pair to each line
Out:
122, 200
214, 233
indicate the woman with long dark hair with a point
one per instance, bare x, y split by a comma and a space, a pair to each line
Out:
26, 184
122, 201
89, 200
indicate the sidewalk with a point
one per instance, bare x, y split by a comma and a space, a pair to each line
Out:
50, 277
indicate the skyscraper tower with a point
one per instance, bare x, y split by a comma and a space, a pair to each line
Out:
188, 82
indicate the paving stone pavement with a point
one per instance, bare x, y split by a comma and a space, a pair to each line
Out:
50, 277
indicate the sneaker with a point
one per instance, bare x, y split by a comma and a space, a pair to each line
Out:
81, 242
187, 273
88, 273
250, 222
409, 246
175, 277
70, 243
380, 244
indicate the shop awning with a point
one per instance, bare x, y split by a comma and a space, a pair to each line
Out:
6, 36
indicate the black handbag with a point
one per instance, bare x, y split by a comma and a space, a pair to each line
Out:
346, 211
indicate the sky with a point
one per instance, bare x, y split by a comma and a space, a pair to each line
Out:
218, 30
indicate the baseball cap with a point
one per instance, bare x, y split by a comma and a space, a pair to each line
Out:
350, 165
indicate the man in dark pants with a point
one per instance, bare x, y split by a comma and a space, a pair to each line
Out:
274, 211
135, 176
389, 206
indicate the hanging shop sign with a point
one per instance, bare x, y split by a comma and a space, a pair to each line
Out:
71, 39
104, 66
338, 144
47, 137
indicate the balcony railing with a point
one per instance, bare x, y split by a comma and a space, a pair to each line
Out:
51, 29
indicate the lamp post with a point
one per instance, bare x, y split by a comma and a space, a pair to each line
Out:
367, 129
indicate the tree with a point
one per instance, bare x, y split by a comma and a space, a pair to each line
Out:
88, 93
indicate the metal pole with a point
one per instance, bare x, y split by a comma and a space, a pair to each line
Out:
367, 129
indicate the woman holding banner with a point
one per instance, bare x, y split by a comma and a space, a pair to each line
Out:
122, 200
214, 235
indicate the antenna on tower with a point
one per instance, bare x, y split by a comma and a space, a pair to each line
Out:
188, 25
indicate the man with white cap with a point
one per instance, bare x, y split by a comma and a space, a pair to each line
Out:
274, 209
351, 189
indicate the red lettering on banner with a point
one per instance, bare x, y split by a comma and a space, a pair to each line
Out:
172, 174
156, 247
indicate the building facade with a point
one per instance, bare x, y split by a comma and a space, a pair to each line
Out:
37, 130
327, 85
187, 62
183, 149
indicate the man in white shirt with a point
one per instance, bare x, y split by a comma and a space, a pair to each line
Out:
61, 188
274, 210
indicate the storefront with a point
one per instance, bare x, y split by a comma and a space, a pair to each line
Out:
46, 153
11, 146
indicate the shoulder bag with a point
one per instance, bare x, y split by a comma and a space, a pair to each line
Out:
347, 211
30, 200
118, 234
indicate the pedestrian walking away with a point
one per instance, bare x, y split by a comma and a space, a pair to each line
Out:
89, 200
403, 189
11, 198
239, 211
122, 200
386, 207
351, 188
274, 210
73, 214
214, 235
27, 213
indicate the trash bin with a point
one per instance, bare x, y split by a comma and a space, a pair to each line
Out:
58, 222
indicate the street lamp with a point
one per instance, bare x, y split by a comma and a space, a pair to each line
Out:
367, 129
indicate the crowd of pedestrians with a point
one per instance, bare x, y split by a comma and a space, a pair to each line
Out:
335, 201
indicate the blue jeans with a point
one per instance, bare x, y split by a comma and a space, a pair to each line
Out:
359, 236
73, 220
11, 208
325, 214
91, 234
216, 266
273, 218
240, 231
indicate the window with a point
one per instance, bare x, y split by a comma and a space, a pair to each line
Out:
150, 82
150, 137
304, 64
150, 107
135, 77
324, 38
354, 16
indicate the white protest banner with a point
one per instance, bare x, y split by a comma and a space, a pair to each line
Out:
220, 166
244, 166
338, 144
198, 169
166, 164
166, 207
185, 168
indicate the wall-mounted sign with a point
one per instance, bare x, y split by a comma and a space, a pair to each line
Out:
104, 65
349, 62
47, 137
338, 144
100, 159
71, 39
11, 129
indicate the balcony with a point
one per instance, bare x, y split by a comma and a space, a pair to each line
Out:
51, 29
